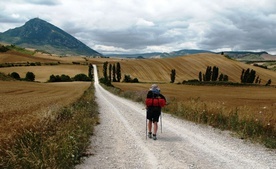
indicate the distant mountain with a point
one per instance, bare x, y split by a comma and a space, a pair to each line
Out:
160, 54
41, 35
238, 55
248, 56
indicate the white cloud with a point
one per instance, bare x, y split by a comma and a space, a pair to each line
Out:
110, 49
143, 22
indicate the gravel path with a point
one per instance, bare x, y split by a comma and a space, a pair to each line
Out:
120, 142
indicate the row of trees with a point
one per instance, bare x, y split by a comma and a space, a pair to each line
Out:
212, 74
30, 76
66, 78
248, 76
111, 73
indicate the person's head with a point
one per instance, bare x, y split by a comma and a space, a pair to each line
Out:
155, 88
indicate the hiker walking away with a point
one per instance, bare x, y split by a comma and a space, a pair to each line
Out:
154, 102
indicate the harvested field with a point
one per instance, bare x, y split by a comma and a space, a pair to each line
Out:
252, 102
42, 73
228, 95
24, 104
17, 57
188, 68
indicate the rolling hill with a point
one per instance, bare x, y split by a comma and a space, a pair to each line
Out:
188, 68
41, 35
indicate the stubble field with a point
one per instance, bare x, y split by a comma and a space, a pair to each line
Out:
24, 104
251, 102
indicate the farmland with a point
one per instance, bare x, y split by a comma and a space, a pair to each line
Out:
147, 71
23, 104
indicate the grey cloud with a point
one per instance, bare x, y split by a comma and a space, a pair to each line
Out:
8, 19
131, 38
242, 31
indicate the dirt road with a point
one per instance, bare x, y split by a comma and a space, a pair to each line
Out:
120, 142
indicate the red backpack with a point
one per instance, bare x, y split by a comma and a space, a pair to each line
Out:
158, 102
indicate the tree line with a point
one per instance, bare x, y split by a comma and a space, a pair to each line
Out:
111, 73
212, 74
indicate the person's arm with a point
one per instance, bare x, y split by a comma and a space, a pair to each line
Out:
163, 97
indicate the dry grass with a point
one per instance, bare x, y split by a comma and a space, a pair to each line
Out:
24, 104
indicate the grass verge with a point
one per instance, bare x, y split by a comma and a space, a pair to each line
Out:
56, 142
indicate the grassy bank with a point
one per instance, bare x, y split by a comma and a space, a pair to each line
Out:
240, 120
57, 141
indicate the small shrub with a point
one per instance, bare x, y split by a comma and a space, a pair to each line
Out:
15, 75
128, 79
135, 80
30, 76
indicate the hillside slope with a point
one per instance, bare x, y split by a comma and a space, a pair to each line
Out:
39, 34
188, 67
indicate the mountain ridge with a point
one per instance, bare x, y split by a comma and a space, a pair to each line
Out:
239, 55
39, 34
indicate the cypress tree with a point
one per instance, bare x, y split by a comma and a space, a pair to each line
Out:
257, 80
110, 72
105, 70
242, 76
90, 71
200, 76
119, 76
114, 73
246, 76
173, 75
252, 76
221, 77
225, 78
208, 73
268, 82
215, 73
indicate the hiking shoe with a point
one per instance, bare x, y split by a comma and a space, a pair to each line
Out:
154, 137
150, 135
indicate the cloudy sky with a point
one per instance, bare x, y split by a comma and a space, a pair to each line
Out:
138, 26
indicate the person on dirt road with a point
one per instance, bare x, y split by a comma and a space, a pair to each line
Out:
154, 102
